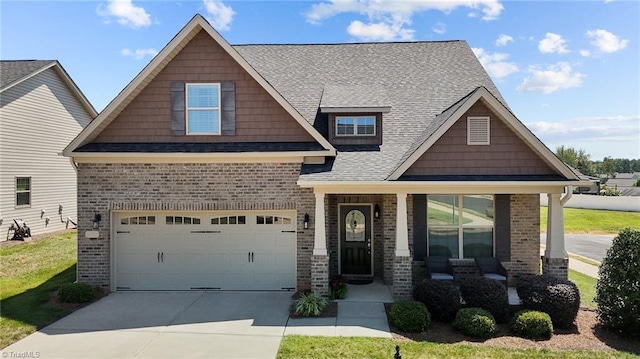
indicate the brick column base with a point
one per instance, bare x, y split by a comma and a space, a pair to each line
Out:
556, 267
402, 285
320, 275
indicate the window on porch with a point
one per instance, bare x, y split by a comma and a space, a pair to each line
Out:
460, 226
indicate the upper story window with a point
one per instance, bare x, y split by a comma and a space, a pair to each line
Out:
203, 108
23, 191
355, 125
478, 130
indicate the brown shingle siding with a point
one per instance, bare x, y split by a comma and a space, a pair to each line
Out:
506, 155
259, 118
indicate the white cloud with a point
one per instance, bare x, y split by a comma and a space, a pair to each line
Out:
126, 13
388, 19
503, 40
605, 41
496, 64
439, 28
139, 54
585, 53
610, 127
552, 43
219, 14
553, 78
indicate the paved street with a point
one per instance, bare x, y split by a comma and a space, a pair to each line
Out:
592, 246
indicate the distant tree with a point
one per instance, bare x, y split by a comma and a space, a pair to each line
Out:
577, 159
608, 167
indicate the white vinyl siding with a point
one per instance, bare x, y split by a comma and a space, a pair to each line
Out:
478, 131
39, 117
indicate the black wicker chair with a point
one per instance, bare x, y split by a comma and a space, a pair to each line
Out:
439, 268
490, 267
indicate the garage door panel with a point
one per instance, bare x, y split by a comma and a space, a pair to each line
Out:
235, 253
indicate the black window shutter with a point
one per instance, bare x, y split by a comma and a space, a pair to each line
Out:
419, 226
228, 114
502, 216
178, 119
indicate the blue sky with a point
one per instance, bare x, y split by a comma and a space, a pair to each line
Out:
569, 70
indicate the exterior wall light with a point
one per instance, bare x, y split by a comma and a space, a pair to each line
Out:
306, 221
376, 211
96, 220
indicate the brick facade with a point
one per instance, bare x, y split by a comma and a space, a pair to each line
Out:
103, 188
556, 267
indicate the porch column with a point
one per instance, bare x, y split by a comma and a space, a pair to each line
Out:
555, 262
320, 259
402, 232
320, 234
402, 269
555, 227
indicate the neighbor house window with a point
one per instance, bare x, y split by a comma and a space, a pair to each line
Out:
203, 109
355, 125
23, 191
460, 226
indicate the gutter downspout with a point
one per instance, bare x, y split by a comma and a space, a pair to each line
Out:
567, 196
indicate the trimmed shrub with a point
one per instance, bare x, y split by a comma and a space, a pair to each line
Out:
557, 297
75, 293
310, 305
618, 289
487, 294
476, 322
442, 298
532, 324
410, 316
338, 288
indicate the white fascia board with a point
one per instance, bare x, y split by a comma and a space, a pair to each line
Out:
382, 109
181, 157
441, 187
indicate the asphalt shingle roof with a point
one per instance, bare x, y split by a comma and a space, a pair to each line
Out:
419, 81
14, 70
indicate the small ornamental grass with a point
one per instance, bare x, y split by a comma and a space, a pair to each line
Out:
410, 316
475, 322
310, 305
75, 293
532, 324
442, 298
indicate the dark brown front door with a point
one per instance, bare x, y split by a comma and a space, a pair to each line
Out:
355, 240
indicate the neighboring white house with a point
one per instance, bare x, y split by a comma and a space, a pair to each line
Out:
41, 111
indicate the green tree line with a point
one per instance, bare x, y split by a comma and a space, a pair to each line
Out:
580, 160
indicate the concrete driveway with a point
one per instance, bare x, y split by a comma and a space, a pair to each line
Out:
165, 325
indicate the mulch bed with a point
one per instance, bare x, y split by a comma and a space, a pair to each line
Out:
587, 334
330, 311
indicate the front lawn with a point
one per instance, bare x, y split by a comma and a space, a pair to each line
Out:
358, 347
29, 273
587, 287
594, 221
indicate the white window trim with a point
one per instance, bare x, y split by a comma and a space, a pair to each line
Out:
488, 124
461, 226
186, 107
355, 126
15, 190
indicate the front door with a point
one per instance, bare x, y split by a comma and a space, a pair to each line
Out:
355, 239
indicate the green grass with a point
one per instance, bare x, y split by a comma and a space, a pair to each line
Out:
594, 221
29, 273
587, 287
357, 347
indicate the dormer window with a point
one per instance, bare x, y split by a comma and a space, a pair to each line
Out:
355, 125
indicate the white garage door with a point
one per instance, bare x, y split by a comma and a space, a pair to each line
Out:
205, 250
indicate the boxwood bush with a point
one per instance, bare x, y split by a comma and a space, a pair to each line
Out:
410, 316
532, 324
557, 297
75, 293
476, 322
442, 298
487, 294
618, 289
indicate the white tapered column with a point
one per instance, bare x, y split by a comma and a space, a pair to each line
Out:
402, 231
320, 233
555, 228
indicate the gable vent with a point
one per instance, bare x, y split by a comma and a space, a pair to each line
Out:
478, 130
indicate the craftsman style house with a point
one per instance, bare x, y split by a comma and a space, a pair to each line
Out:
41, 110
275, 167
